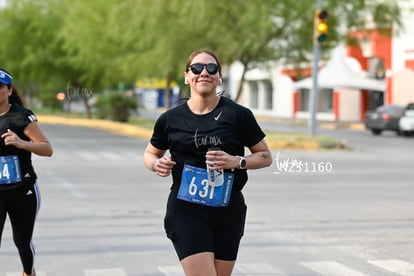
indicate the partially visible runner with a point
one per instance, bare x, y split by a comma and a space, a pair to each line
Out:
205, 222
19, 193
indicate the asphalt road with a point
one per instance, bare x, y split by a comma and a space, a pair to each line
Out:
310, 213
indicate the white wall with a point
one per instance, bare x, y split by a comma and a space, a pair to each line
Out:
283, 95
403, 87
403, 39
349, 105
282, 89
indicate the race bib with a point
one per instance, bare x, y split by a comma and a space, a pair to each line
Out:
10, 169
194, 188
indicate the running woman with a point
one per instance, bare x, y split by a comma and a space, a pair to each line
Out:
205, 221
19, 193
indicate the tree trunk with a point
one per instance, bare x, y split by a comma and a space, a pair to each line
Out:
167, 91
241, 83
88, 109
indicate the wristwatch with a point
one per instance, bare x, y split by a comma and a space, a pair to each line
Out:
242, 163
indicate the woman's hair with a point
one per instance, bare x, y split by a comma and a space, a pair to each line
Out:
200, 51
14, 97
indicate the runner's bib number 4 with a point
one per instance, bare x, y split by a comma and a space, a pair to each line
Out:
194, 188
10, 169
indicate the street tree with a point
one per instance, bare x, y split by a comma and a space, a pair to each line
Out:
96, 44
28, 49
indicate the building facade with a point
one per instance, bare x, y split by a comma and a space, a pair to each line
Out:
373, 69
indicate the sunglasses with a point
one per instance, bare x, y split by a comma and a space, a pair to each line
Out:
197, 68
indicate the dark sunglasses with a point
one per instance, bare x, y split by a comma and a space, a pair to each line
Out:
197, 68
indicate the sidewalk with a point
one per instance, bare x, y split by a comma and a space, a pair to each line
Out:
111, 126
268, 121
304, 123
271, 124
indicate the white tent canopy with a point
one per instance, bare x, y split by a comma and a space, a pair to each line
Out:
338, 74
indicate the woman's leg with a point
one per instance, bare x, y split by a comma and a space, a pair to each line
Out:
22, 213
3, 214
229, 231
224, 268
203, 264
200, 264
32, 274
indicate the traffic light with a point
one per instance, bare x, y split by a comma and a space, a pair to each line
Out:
320, 26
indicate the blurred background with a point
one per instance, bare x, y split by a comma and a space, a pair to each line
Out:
132, 53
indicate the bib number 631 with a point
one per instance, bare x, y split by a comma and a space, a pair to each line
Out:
203, 189
194, 188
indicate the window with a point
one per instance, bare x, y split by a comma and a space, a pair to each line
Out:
304, 99
254, 95
376, 68
268, 104
325, 100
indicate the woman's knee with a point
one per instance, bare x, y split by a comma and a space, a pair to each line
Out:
199, 264
224, 268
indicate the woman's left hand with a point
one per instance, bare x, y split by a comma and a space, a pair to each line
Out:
218, 159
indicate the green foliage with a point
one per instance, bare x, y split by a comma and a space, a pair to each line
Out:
28, 48
97, 44
116, 106
48, 99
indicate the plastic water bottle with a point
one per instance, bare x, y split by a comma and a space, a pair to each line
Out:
215, 177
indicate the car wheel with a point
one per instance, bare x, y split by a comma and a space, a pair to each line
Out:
376, 131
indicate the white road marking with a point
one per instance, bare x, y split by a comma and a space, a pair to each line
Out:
329, 268
105, 272
171, 270
399, 267
19, 273
258, 269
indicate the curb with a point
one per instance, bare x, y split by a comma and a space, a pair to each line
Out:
135, 131
113, 127
321, 124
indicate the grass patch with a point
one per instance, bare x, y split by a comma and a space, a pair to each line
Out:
57, 112
141, 122
299, 137
302, 140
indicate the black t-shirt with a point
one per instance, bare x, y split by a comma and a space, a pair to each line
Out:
17, 120
187, 136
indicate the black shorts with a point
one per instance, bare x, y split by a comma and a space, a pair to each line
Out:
194, 228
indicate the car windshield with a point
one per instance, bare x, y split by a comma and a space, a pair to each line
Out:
392, 109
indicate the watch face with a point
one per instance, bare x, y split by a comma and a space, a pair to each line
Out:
242, 163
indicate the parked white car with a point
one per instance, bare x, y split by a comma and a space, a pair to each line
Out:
406, 122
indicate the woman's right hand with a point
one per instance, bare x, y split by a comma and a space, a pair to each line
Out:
163, 166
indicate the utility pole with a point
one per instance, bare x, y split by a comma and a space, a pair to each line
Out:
320, 30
